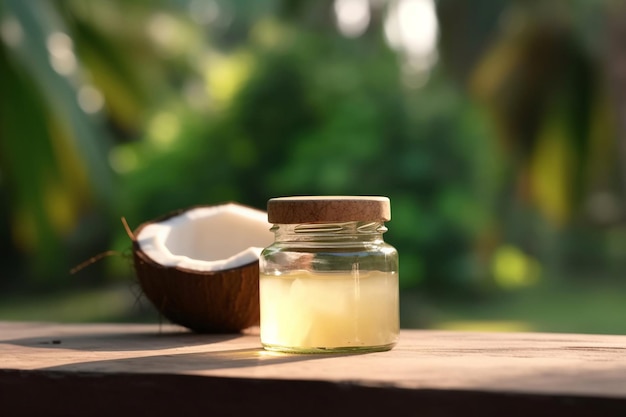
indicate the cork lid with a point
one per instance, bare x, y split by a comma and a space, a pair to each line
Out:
317, 209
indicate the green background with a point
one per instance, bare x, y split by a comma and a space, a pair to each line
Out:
493, 126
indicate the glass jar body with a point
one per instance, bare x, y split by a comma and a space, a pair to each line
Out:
329, 288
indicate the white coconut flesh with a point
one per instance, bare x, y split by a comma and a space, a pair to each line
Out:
205, 239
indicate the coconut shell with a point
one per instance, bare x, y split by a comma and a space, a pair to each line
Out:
224, 301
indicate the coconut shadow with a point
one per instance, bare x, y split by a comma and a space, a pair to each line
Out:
111, 342
239, 350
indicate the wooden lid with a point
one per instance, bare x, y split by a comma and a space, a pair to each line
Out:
318, 209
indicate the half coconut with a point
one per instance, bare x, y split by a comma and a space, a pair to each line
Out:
199, 267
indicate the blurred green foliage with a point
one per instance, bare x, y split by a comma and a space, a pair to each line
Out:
498, 149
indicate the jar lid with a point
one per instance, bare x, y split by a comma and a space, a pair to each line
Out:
318, 209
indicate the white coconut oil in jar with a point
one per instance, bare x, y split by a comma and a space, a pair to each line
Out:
329, 282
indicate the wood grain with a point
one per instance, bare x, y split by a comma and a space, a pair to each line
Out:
104, 369
322, 209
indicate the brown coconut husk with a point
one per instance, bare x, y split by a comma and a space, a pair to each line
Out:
224, 301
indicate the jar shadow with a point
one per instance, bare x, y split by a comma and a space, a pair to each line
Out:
195, 361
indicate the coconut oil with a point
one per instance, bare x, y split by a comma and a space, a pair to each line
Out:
308, 312
329, 283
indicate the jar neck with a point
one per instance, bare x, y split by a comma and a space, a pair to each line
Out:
344, 232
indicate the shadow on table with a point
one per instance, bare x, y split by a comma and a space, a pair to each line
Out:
101, 341
185, 362
87, 345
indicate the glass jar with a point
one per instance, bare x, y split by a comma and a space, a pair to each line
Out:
329, 282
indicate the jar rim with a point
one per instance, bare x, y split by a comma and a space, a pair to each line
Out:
316, 209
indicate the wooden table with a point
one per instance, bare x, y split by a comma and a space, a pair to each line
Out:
104, 369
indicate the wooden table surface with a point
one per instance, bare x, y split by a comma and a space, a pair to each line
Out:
136, 369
